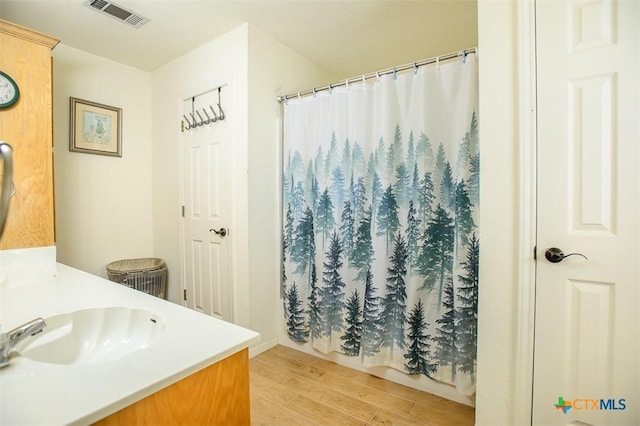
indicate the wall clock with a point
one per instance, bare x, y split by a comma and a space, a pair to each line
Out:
9, 92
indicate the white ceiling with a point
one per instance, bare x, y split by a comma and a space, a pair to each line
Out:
346, 37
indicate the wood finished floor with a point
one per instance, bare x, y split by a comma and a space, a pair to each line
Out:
289, 387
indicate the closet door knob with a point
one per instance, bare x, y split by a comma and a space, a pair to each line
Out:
221, 232
555, 255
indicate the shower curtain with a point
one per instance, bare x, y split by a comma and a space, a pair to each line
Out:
380, 221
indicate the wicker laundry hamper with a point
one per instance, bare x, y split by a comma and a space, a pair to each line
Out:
148, 275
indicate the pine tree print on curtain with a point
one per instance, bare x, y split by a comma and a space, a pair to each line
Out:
380, 204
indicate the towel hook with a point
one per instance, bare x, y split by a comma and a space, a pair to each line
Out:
208, 120
195, 122
215, 116
201, 123
221, 116
188, 126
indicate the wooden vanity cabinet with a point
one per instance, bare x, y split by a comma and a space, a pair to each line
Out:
27, 126
216, 395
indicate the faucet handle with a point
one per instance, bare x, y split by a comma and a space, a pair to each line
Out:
4, 350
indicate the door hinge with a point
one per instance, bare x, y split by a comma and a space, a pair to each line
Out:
184, 294
182, 211
535, 252
182, 126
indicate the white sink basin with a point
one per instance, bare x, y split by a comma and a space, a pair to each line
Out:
94, 336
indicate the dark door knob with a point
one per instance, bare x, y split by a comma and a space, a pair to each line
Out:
221, 232
555, 255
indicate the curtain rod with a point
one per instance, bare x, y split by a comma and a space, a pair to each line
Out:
393, 70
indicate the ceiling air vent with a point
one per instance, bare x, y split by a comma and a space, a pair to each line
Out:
115, 11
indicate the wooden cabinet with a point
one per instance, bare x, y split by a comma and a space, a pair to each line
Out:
28, 127
216, 395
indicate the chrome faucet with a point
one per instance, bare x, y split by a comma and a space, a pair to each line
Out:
7, 183
8, 341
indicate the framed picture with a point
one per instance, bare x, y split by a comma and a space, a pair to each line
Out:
95, 128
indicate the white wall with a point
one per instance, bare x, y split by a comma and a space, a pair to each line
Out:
258, 67
274, 69
499, 275
221, 61
112, 208
103, 204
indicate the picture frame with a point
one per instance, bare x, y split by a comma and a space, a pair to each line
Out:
95, 128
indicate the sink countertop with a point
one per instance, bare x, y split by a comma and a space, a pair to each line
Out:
36, 393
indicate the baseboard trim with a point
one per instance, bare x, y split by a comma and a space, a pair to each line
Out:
262, 347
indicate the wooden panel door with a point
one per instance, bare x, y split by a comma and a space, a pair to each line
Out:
208, 283
587, 323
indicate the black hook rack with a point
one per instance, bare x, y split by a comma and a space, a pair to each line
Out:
193, 122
